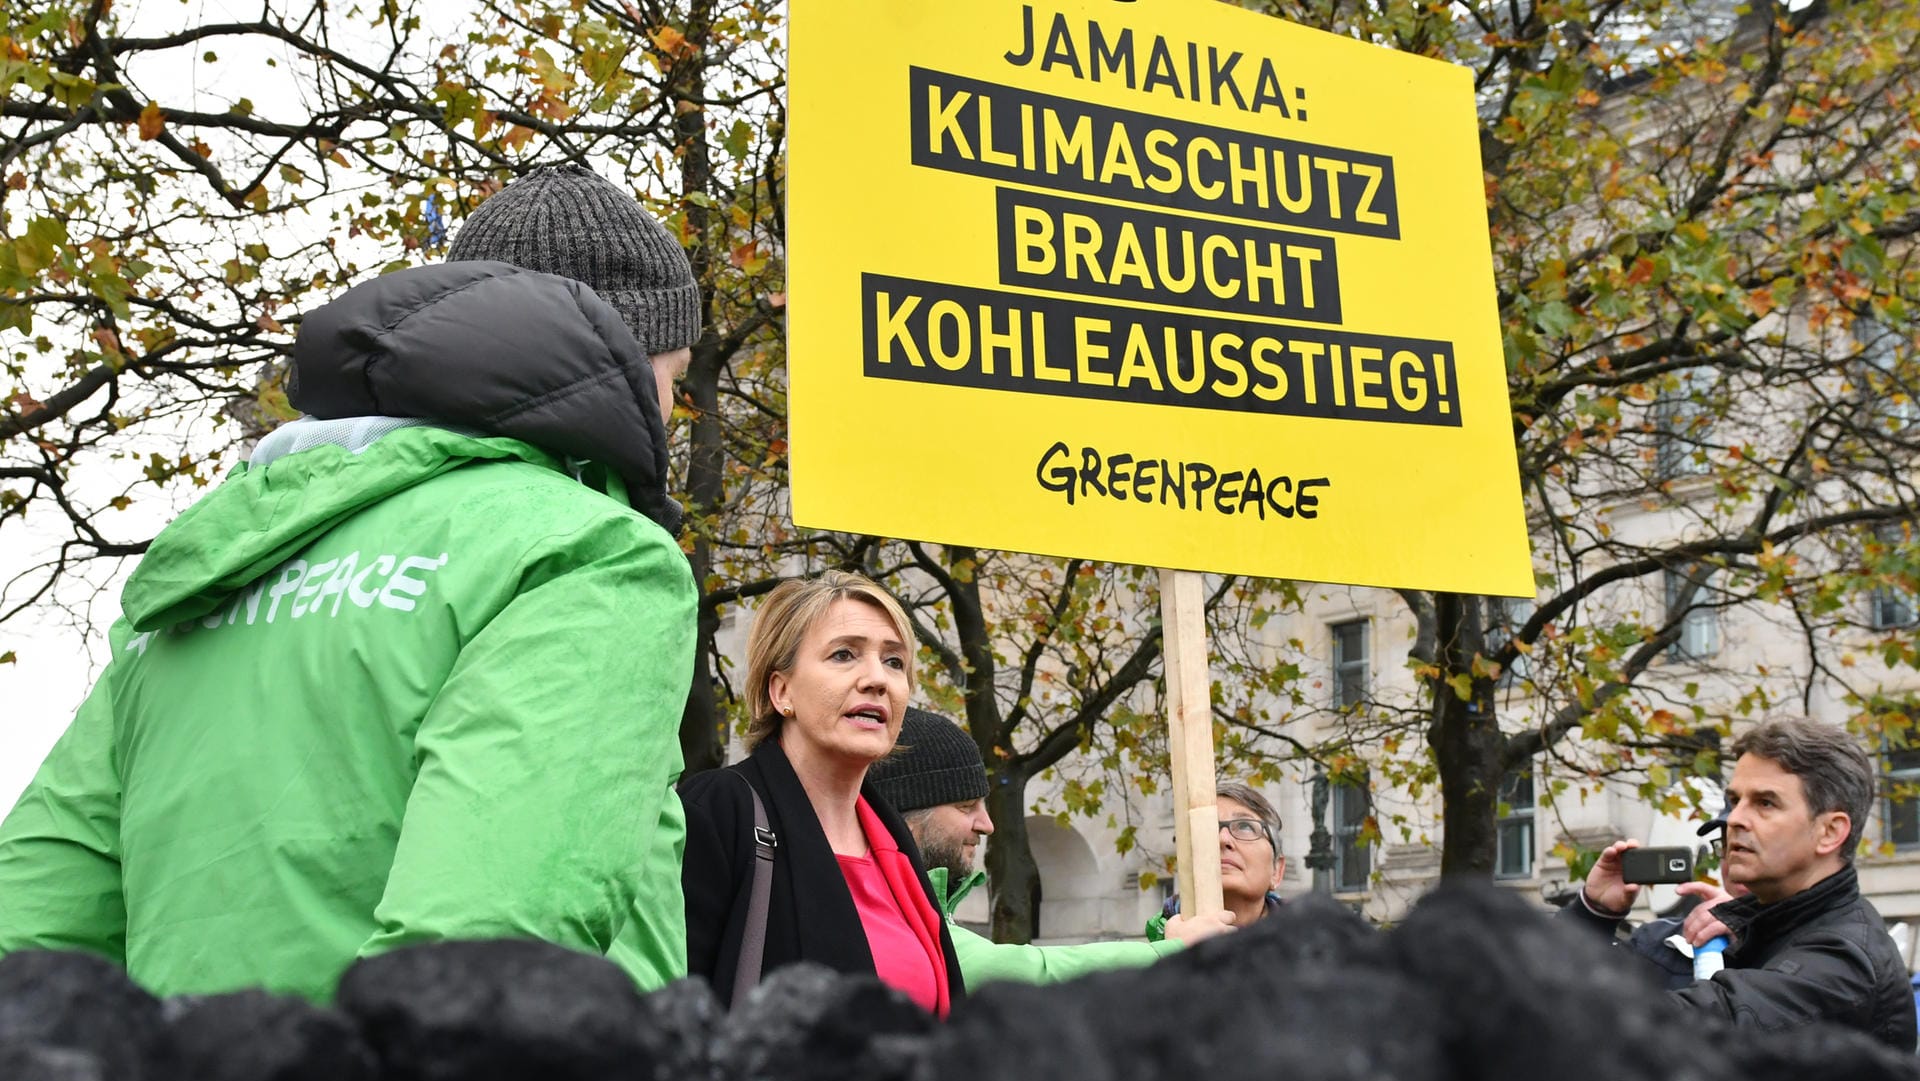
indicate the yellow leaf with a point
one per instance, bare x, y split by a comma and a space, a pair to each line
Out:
516, 137
152, 122
669, 41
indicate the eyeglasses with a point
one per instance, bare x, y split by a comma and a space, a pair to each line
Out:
1245, 829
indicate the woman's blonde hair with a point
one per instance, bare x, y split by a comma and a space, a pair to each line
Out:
783, 621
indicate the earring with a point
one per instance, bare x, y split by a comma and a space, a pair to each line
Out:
786, 711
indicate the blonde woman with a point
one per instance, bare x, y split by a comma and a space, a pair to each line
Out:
829, 669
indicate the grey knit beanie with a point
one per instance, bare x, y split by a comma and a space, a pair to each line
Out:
566, 220
934, 762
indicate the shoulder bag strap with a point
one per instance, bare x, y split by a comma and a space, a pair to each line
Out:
753, 944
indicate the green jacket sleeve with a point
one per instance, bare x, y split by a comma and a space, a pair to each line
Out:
652, 947
60, 847
541, 805
983, 960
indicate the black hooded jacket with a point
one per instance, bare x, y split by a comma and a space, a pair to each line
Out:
1821, 955
512, 352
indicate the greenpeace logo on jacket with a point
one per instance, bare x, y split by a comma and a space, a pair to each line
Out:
306, 588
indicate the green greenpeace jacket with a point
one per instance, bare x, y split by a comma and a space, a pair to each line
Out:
362, 697
982, 959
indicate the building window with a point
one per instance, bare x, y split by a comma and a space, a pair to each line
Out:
1699, 627
1352, 851
1890, 607
1888, 397
1505, 617
1349, 664
1513, 832
1682, 420
1903, 797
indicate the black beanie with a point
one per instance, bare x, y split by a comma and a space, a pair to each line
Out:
932, 763
566, 220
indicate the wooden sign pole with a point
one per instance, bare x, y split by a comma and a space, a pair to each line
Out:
1196, 822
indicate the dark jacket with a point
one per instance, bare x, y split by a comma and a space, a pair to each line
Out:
1821, 955
810, 913
1649, 940
451, 343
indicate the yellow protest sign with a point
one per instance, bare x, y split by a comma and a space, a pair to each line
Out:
1163, 282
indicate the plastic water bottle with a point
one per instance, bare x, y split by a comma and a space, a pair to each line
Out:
1709, 957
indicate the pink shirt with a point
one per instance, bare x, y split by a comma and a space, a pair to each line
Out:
904, 932
899, 958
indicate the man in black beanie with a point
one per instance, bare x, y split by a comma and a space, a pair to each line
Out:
569, 222
416, 671
937, 780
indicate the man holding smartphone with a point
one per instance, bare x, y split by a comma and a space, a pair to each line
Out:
1806, 946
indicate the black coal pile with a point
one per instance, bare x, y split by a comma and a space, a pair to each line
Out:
73, 1016
255, 1036
1473, 986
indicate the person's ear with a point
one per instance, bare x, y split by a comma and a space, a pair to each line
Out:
780, 694
1279, 871
1830, 832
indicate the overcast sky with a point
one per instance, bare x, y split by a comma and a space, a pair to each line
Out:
39, 693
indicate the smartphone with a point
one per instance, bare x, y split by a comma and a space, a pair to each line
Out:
1647, 865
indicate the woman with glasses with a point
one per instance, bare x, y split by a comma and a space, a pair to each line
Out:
1250, 860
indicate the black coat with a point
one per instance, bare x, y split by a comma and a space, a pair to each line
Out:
1821, 955
810, 913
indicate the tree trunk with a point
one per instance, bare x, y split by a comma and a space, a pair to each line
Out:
1011, 872
1466, 742
703, 724
1466, 748
703, 737
702, 721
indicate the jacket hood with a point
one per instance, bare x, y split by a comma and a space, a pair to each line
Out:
259, 517
499, 349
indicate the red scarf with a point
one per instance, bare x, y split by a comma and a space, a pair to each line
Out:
904, 882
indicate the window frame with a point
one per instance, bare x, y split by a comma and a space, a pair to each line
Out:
1678, 432
1349, 842
1890, 775
1515, 816
1890, 608
1878, 348
1341, 666
1506, 616
1702, 620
